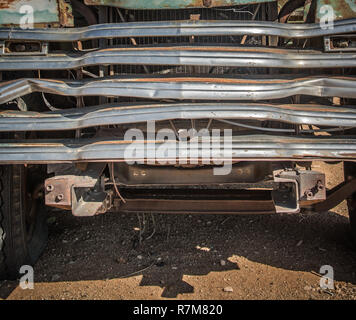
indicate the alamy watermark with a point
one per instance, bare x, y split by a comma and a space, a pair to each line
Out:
327, 17
327, 280
27, 278
28, 18
185, 147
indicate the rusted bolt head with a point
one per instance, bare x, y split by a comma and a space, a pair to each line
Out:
309, 193
207, 3
50, 188
320, 185
60, 197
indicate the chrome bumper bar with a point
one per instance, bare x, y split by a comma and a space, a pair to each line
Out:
187, 56
185, 88
177, 29
116, 114
252, 147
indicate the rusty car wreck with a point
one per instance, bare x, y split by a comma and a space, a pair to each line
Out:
77, 75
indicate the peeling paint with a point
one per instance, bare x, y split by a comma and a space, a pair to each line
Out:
53, 13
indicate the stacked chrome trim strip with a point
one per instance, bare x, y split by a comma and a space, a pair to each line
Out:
185, 88
123, 114
178, 28
257, 147
202, 56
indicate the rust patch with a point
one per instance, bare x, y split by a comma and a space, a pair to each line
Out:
66, 17
58, 13
349, 154
5, 4
315, 108
341, 8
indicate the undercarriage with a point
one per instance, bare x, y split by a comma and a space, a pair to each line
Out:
191, 107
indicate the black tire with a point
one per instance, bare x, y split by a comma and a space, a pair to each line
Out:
23, 228
350, 173
351, 204
353, 223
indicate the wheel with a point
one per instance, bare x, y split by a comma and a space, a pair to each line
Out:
23, 227
353, 222
350, 173
351, 204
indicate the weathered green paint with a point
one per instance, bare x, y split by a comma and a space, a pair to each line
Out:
281, 3
45, 12
342, 9
170, 4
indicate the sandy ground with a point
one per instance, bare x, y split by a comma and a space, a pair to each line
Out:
195, 257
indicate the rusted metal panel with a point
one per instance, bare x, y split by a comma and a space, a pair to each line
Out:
243, 175
66, 17
336, 195
171, 4
342, 9
60, 191
39, 13
219, 206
